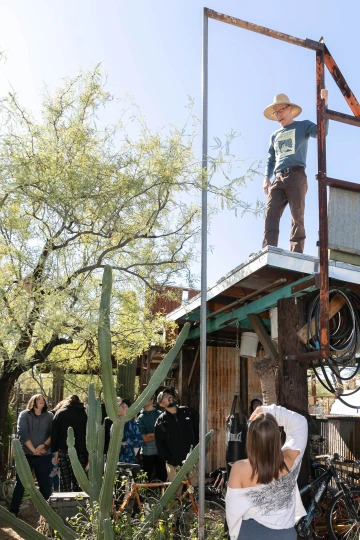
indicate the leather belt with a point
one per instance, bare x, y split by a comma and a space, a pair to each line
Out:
291, 169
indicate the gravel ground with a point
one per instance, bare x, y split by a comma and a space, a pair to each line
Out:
29, 514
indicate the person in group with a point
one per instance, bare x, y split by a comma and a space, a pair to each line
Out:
34, 430
132, 438
55, 473
71, 414
262, 499
151, 461
176, 431
287, 160
255, 403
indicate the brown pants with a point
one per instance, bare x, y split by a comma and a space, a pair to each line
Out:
290, 188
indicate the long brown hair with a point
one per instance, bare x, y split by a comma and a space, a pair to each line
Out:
32, 403
263, 446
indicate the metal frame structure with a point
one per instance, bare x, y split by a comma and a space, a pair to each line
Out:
323, 58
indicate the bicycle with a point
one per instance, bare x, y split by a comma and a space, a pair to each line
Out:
218, 488
7, 490
337, 515
183, 511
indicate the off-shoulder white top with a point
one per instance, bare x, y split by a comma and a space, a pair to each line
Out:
276, 505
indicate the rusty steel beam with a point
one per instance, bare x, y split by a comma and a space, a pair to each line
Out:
341, 82
344, 118
306, 43
305, 357
343, 184
323, 218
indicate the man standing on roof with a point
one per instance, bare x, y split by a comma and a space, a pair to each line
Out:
176, 431
287, 160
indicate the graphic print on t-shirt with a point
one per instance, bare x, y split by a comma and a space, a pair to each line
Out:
284, 144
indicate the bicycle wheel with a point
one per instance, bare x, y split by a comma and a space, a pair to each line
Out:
7, 489
341, 524
214, 519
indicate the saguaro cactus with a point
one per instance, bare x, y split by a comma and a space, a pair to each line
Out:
24, 472
101, 491
94, 436
110, 394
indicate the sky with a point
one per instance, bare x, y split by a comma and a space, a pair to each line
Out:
153, 50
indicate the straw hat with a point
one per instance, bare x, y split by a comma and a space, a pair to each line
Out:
281, 99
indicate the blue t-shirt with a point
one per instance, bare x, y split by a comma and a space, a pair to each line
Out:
146, 422
288, 146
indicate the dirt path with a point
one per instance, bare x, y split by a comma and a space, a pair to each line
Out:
29, 514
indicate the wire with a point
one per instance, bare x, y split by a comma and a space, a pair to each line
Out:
343, 341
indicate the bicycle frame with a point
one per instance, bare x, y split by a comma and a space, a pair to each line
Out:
135, 491
322, 482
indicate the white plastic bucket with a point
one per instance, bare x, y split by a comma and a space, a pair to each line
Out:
249, 345
274, 322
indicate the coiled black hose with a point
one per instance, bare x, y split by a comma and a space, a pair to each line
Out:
344, 341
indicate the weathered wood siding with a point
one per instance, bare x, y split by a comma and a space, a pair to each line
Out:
221, 373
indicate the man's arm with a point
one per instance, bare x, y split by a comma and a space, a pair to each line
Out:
160, 441
270, 166
23, 431
147, 437
312, 128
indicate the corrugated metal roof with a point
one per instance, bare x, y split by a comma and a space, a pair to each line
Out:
273, 258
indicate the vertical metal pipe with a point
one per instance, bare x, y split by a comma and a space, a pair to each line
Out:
203, 374
323, 221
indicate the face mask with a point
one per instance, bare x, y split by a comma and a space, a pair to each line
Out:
173, 403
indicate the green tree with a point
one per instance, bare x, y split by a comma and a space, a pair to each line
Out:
77, 194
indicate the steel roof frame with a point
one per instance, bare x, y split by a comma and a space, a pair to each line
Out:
323, 58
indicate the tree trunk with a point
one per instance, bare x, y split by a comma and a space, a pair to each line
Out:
7, 382
292, 375
266, 369
58, 386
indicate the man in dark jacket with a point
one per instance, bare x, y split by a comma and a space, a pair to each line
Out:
71, 414
176, 431
152, 462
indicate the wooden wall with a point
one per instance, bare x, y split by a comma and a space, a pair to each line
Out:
221, 373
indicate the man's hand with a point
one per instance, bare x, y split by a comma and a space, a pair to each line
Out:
266, 185
324, 93
55, 459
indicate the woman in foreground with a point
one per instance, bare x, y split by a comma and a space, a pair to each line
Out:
262, 499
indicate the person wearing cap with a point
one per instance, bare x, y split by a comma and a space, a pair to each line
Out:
151, 461
287, 161
254, 404
176, 431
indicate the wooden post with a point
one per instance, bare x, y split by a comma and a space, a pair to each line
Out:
244, 385
292, 375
